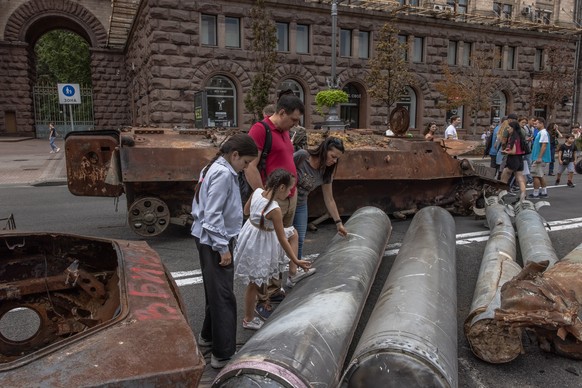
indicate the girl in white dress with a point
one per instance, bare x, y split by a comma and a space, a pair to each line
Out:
263, 241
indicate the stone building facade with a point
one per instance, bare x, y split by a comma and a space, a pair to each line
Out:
176, 52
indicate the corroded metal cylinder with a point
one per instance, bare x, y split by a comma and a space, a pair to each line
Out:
489, 341
534, 241
410, 339
306, 340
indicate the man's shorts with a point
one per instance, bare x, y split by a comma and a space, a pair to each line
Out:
514, 162
537, 169
288, 206
563, 167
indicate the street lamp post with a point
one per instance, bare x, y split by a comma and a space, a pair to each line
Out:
333, 121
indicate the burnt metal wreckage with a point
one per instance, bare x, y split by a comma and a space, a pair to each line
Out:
157, 170
83, 311
545, 297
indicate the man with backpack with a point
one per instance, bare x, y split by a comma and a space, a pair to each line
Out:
287, 114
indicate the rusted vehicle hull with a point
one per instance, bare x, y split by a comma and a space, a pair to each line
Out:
157, 170
80, 311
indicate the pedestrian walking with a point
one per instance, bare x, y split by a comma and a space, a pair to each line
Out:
52, 137
567, 160
555, 134
540, 156
451, 131
514, 151
218, 216
430, 131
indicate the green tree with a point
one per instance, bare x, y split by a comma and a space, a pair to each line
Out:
389, 71
263, 45
62, 56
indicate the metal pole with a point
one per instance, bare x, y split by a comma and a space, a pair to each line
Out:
410, 339
71, 115
306, 340
333, 42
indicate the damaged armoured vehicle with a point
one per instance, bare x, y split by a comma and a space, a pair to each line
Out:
157, 170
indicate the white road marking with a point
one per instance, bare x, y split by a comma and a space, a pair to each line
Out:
186, 278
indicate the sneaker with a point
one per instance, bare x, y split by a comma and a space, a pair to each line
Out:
203, 342
264, 311
254, 324
58, 149
551, 174
301, 274
531, 196
542, 195
571, 184
529, 184
557, 183
52, 152
278, 296
218, 363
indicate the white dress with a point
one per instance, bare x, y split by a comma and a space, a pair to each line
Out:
257, 254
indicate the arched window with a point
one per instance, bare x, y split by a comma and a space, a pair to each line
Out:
408, 100
291, 84
221, 102
498, 107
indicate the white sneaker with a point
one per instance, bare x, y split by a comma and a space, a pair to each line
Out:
58, 149
299, 275
52, 152
203, 342
254, 324
218, 363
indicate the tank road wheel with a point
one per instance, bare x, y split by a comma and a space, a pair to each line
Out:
148, 216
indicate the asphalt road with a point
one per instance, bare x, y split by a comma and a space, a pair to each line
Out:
53, 208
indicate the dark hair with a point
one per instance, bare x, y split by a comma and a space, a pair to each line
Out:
428, 127
286, 92
541, 120
290, 103
276, 178
241, 142
321, 154
516, 134
453, 118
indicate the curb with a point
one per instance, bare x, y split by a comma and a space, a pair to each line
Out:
57, 182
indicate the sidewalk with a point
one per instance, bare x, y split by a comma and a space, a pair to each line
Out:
27, 161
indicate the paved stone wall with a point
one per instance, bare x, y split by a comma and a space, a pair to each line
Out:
110, 98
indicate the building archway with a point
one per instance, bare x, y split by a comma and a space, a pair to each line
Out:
24, 27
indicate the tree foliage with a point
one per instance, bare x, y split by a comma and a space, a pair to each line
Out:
555, 84
470, 86
389, 70
329, 98
62, 57
263, 45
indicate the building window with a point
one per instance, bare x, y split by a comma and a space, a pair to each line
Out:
364, 44
511, 58
503, 11
418, 50
403, 40
498, 107
408, 101
414, 3
452, 53
302, 39
498, 57
460, 5
282, 36
208, 35
539, 60
232, 26
221, 102
467, 52
345, 43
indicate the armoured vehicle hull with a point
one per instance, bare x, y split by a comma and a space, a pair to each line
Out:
157, 170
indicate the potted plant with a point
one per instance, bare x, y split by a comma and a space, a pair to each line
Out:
330, 98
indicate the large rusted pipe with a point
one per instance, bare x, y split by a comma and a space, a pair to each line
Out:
534, 241
489, 341
306, 340
411, 337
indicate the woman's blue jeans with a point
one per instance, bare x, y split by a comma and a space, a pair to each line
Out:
300, 224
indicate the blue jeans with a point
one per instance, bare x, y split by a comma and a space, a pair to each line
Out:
300, 223
52, 143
